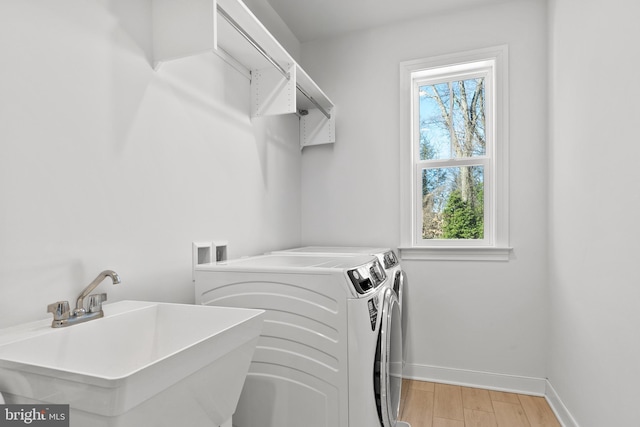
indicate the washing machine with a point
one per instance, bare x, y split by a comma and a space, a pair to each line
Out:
386, 256
330, 353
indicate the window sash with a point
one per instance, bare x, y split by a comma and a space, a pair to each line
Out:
488, 235
485, 71
489, 109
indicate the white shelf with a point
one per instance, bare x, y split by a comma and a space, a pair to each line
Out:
315, 127
232, 42
278, 84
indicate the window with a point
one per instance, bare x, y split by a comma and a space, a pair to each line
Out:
454, 156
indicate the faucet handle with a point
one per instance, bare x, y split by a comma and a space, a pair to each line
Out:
59, 309
95, 302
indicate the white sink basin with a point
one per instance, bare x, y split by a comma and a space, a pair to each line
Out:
144, 363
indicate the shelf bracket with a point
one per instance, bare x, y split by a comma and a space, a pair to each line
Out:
272, 93
316, 129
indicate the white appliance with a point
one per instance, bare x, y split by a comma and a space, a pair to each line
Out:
386, 256
330, 353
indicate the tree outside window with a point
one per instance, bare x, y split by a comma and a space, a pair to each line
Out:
452, 121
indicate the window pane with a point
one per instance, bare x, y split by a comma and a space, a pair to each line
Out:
452, 119
453, 203
435, 109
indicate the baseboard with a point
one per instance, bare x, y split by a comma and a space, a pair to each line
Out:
561, 411
492, 381
488, 380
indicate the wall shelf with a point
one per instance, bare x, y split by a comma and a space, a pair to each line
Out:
278, 84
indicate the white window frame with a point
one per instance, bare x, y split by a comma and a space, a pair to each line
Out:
492, 63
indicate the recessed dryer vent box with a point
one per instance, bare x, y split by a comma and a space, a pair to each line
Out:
221, 250
207, 253
202, 253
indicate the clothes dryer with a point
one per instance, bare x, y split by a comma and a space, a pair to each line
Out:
330, 353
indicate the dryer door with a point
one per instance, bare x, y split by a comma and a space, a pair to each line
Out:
390, 356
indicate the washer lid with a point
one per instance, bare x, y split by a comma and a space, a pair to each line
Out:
336, 250
291, 262
387, 256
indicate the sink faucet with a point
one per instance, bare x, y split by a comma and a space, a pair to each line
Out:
63, 316
80, 310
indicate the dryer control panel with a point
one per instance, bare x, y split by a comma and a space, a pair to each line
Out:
390, 259
367, 277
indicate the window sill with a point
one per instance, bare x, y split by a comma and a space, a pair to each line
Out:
452, 253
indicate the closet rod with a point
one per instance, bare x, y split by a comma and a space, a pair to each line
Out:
268, 57
314, 102
253, 43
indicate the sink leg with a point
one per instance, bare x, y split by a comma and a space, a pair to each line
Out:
227, 423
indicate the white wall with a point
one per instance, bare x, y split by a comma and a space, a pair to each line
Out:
106, 163
485, 317
594, 205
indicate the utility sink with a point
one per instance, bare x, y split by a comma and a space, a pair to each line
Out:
143, 363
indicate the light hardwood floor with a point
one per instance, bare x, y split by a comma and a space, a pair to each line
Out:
426, 404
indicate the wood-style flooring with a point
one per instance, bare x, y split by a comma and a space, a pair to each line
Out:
426, 404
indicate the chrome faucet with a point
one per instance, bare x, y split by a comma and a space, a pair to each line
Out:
63, 316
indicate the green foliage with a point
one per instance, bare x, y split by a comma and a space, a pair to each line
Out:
464, 219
